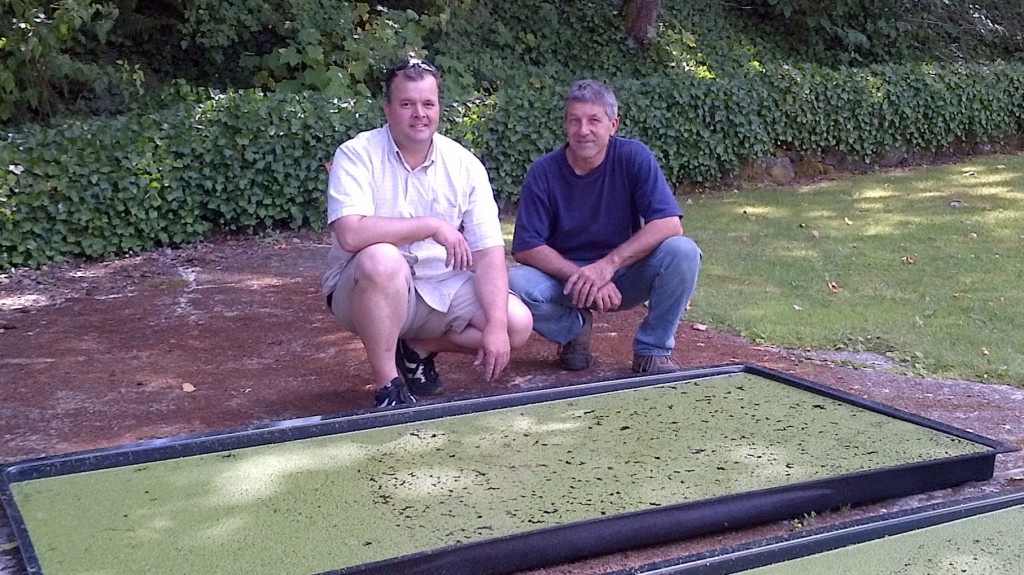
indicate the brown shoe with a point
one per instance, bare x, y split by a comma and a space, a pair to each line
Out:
653, 363
576, 355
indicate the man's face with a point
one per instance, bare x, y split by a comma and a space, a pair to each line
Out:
588, 128
413, 112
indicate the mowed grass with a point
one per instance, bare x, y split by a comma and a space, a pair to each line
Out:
923, 266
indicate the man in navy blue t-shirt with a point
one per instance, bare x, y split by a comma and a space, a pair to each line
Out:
598, 228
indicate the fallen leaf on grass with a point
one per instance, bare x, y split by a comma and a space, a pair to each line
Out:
908, 260
834, 287
699, 327
188, 387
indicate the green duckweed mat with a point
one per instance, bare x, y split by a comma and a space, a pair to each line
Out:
976, 536
986, 544
341, 500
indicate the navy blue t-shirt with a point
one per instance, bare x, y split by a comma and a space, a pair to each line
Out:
584, 218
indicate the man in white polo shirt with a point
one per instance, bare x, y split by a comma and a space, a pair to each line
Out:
417, 260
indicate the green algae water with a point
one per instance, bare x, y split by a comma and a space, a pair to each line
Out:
986, 544
335, 501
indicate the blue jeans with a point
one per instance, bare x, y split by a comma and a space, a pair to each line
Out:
666, 279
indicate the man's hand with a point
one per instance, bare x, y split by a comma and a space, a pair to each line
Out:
494, 352
587, 283
608, 298
458, 255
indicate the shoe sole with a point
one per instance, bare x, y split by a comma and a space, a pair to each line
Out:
570, 366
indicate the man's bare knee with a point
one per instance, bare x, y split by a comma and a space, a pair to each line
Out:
382, 264
520, 323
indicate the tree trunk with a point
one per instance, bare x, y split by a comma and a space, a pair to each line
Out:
641, 18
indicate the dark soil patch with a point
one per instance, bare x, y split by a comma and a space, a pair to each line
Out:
233, 333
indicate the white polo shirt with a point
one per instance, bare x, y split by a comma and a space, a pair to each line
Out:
370, 178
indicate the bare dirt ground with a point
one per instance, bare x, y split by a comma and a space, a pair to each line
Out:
235, 332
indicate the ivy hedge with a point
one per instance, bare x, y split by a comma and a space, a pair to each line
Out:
249, 161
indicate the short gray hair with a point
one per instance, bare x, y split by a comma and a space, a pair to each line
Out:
594, 92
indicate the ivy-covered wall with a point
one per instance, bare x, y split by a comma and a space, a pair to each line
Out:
250, 161
720, 86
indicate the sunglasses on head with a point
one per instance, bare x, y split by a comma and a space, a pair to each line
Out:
412, 63
415, 63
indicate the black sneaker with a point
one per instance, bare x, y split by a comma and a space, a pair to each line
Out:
419, 373
392, 394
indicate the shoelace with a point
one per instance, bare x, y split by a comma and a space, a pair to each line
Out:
430, 368
396, 395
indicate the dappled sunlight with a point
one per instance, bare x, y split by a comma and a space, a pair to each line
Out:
1004, 217
24, 301
784, 211
28, 290
760, 211
206, 279
1000, 193
265, 281
764, 461
891, 224
883, 193
821, 214
265, 474
523, 423
154, 529
360, 496
223, 529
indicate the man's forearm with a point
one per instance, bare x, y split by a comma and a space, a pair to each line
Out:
547, 260
355, 233
644, 242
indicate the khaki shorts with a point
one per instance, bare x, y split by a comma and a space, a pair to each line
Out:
421, 320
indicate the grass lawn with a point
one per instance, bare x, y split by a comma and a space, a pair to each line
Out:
922, 265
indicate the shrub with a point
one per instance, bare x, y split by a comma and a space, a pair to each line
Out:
192, 161
241, 161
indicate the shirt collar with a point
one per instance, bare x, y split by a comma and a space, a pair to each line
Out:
397, 154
